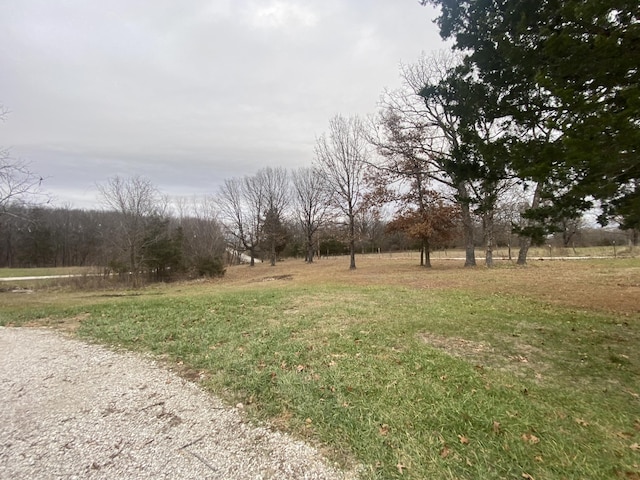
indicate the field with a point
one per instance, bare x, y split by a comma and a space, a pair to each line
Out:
512, 372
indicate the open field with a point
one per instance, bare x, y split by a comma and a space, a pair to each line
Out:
35, 272
446, 373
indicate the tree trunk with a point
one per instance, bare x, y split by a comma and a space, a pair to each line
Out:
467, 225
309, 256
488, 224
427, 253
525, 242
273, 253
352, 242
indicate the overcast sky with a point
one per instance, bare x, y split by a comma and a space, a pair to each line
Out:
188, 93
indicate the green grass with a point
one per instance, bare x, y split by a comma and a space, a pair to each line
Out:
36, 272
441, 383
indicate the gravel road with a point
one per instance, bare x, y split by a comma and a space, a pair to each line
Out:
71, 410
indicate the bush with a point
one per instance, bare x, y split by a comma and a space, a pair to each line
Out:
209, 267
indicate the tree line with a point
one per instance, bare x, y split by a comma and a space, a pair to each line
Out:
531, 120
142, 235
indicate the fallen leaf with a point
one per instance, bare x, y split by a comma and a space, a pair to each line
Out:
538, 459
384, 429
527, 476
400, 468
496, 427
300, 368
464, 440
635, 447
633, 394
581, 422
444, 453
530, 438
308, 421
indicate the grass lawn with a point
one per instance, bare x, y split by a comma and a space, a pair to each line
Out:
35, 272
445, 373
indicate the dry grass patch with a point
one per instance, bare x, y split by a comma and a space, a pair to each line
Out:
518, 358
601, 285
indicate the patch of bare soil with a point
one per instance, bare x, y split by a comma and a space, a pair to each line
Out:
520, 358
275, 278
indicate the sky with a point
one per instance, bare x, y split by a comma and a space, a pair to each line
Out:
190, 93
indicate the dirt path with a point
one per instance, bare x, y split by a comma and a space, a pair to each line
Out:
69, 410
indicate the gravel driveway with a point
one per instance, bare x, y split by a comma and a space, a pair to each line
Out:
70, 410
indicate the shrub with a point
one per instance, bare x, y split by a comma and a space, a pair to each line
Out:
209, 267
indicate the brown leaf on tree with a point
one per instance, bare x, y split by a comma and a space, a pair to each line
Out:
463, 440
530, 438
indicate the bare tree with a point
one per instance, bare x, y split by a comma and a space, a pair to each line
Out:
312, 200
341, 156
137, 201
241, 203
431, 124
423, 135
274, 183
18, 183
203, 239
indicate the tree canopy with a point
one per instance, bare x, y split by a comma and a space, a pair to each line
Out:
564, 77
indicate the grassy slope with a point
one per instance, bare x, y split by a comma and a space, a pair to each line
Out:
416, 374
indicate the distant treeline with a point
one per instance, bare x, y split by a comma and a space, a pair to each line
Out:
191, 245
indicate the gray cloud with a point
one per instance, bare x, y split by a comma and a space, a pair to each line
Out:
190, 93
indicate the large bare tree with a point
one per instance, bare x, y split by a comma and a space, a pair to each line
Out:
341, 156
204, 241
312, 200
240, 217
137, 202
431, 124
252, 209
274, 183
18, 183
